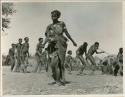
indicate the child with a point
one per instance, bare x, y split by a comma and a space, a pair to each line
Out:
68, 61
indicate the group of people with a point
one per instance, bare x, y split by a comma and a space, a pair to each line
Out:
113, 66
109, 65
55, 51
82, 50
18, 55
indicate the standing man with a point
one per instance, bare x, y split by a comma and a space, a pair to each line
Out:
93, 49
79, 54
39, 55
25, 55
12, 56
120, 61
19, 46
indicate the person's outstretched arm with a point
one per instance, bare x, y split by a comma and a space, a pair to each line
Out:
68, 35
99, 52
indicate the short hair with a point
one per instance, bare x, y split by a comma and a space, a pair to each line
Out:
96, 43
40, 38
57, 12
13, 44
69, 52
85, 44
26, 38
19, 39
105, 63
120, 49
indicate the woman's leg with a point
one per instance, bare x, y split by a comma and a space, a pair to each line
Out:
12, 63
55, 68
37, 64
93, 62
61, 65
83, 63
40, 65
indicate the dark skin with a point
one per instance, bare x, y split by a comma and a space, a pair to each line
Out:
19, 45
77, 52
80, 56
27, 42
12, 56
58, 72
40, 41
120, 53
93, 49
39, 55
14, 46
20, 41
97, 46
55, 20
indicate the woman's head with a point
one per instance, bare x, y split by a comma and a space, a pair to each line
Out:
40, 39
97, 45
69, 52
20, 40
85, 44
13, 45
121, 50
55, 14
26, 39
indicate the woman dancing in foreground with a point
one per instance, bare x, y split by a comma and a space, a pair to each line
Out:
57, 46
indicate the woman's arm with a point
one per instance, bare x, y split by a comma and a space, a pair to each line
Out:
68, 35
46, 34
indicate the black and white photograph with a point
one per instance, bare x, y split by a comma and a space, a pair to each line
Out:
62, 48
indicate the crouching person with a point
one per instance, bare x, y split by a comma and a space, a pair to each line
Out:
105, 67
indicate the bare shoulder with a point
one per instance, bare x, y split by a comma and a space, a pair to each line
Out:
61, 22
10, 49
23, 44
49, 25
91, 48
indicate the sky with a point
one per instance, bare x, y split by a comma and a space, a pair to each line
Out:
85, 21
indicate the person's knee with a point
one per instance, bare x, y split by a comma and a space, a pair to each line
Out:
63, 68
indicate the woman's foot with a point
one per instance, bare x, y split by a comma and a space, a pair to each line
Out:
59, 83
52, 83
65, 82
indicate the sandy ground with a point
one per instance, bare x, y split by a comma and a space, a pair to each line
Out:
37, 84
